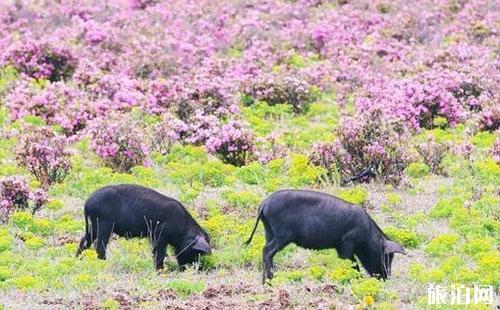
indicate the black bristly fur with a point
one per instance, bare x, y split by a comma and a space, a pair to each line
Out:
316, 220
136, 211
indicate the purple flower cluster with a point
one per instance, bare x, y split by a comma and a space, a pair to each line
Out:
15, 194
119, 142
282, 89
39, 59
495, 151
363, 141
233, 143
433, 153
44, 155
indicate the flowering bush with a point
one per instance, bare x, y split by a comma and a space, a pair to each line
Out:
119, 143
489, 118
44, 154
233, 143
495, 151
364, 141
281, 89
41, 60
432, 154
15, 194
323, 155
167, 132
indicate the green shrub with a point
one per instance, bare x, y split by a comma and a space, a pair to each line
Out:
343, 271
367, 287
34, 242
440, 122
317, 272
4, 273
189, 192
242, 199
484, 139
6, 242
110, 304
477, 245
26, 282
301, 172
445, 207
488, 172
405, 237
212, 173
253, 173
185, 288
55, 205
441, 244
356, 195
417, 170
394, 199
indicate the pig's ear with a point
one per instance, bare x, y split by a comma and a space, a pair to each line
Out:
393, 247
202, 245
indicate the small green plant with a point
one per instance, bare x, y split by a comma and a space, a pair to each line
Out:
317, 272
4, 273
367, 287
301, 172
253, 173
33, 242
441, 244
242, 199
343, 271
110, 304
488, 172
55, 205
26, 282
440, 122
185, 288
445, 207
405, 237
477, 246
417, 170
357, 195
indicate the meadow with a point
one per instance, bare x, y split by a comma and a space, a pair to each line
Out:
220, 103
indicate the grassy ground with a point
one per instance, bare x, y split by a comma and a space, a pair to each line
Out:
448, 224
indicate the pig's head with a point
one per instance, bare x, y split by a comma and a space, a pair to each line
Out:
377, 257
389, 248
192, 248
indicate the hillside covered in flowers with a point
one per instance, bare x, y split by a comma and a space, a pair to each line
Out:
392, 105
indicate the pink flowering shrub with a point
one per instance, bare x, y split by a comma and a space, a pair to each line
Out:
489, 118
281, 89
369, 139
233, 143
433, 153
169, 131
44, 154
41, 60
57, 104
15, 194
495, 151
142, 4
323, 155
119, 142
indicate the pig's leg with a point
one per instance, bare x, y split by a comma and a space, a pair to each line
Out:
159, 252
104, 231
346, 251
88, 238
270, 249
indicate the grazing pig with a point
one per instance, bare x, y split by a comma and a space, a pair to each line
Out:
136, 211
316, 220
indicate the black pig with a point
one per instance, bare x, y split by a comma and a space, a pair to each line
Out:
136, 211
316, 220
